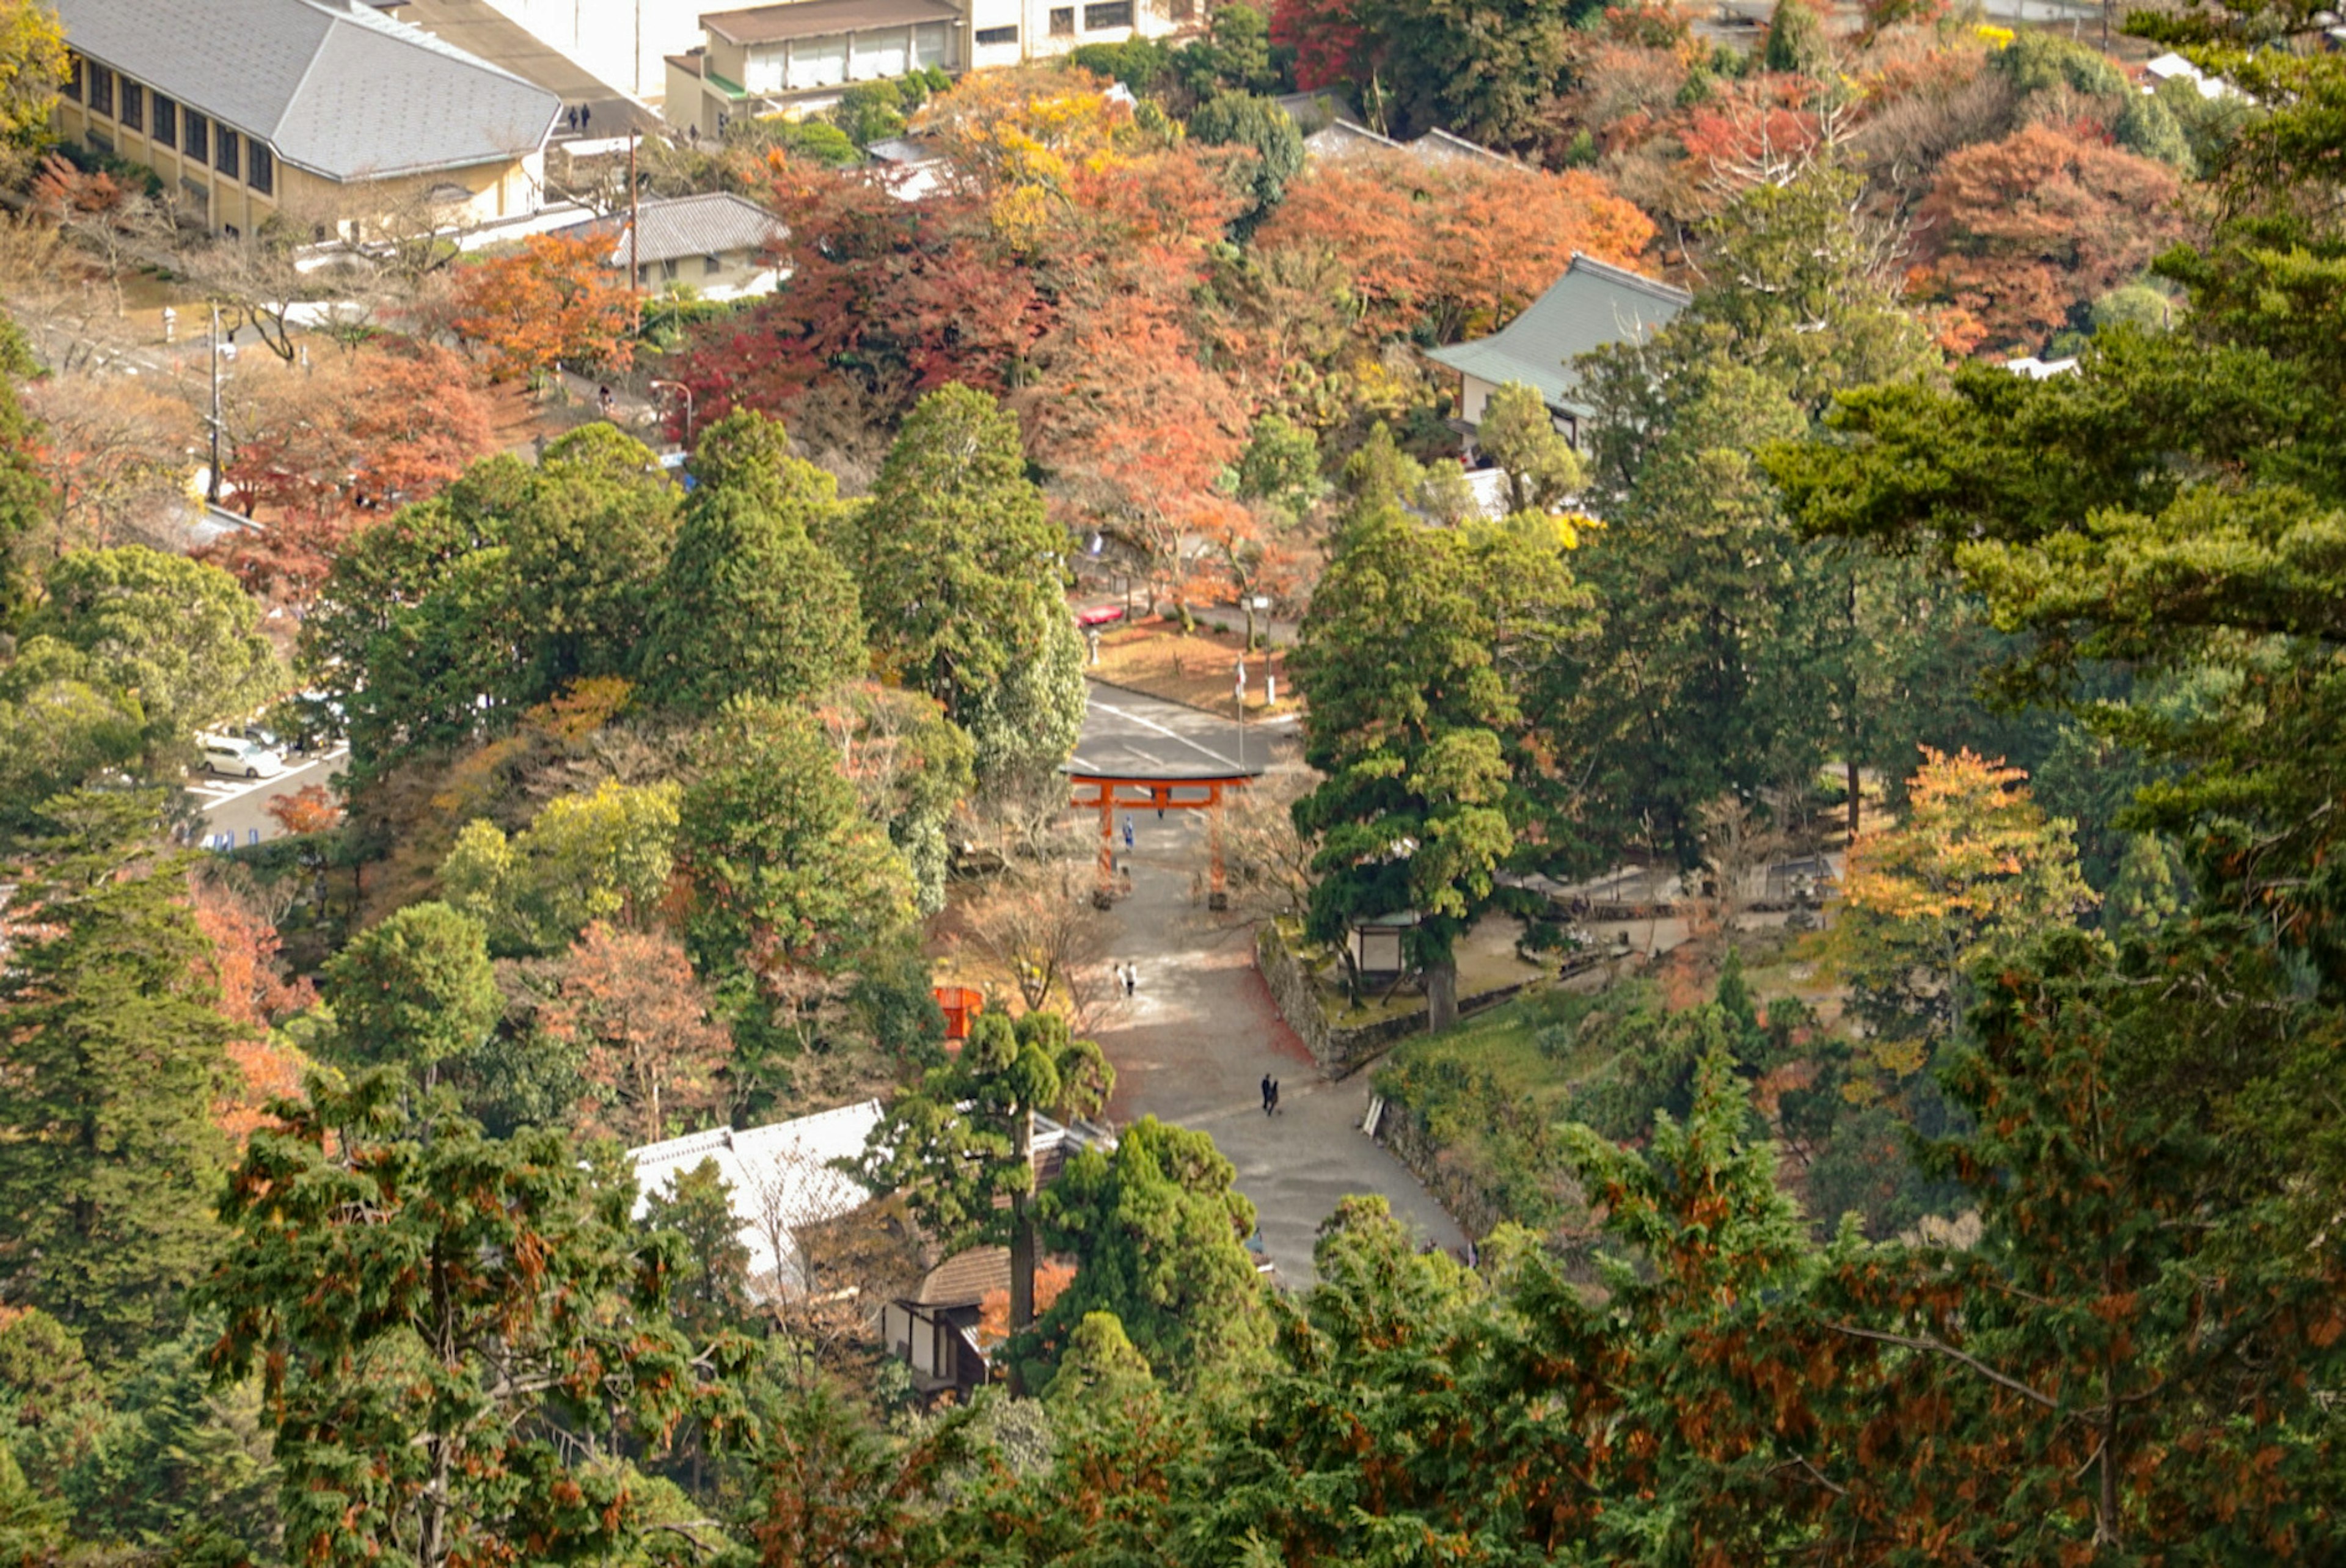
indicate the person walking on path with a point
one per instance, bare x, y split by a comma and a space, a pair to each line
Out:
1131, 979
1266, 1093
1127, 833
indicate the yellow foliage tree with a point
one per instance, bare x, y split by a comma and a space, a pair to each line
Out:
1975, 865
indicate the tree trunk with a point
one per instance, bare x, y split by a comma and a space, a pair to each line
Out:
1856, 800
1022, 1243
1442, 995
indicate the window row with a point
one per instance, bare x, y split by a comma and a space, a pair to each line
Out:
1097, 18
170, 124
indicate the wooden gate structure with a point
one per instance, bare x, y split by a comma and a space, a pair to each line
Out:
1110, 793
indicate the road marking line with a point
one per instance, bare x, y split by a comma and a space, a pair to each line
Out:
1173, 734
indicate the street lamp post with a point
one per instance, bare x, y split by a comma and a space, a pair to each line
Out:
687, 408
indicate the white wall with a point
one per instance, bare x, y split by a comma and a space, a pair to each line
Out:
621, 43
1473, 393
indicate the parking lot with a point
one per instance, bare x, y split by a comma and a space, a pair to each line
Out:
239, 806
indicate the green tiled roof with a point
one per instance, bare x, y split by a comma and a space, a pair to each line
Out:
1591, 305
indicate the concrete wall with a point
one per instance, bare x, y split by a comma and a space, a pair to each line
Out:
1036, 40
621, 43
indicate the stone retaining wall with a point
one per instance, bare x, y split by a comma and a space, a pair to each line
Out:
1340, 1052
1403, 1130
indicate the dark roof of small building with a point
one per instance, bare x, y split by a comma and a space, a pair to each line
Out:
334, 87
679, 227
1591, 305
965, 1279
689, 63
815, 19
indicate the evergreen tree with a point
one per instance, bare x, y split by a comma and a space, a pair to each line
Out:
749, 603
1158, 1232
1409, 660
109, 1160
781, 870
1262, 128
960, 571
961, 1146
712, 1285
459, 1337
415, 990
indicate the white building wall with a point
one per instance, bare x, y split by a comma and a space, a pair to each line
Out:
621, 43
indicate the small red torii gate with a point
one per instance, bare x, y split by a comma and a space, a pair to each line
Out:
1113, 792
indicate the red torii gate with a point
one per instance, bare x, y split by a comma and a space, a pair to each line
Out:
1113, 792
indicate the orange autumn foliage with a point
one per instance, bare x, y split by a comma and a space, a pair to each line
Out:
1457, 246
253, 996
2019, 232
1051, 1278
550, 298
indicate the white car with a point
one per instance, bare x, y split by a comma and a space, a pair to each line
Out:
235, 757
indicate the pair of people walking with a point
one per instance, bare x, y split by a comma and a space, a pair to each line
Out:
1270, 1096
1127, 975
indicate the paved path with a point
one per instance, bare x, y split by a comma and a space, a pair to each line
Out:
1193, 1045
1130, 733
240, 806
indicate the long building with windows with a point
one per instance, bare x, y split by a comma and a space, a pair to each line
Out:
321, 111
798, 56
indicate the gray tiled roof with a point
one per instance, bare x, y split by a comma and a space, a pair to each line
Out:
1591, 305
680, 226
334, 85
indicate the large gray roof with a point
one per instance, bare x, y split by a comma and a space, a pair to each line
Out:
1591, 305
679, 227
334, 85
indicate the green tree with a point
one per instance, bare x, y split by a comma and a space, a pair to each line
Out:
1234, 56
1410, 659
1493, 74
584, 857
1796, 40
587, 542
414, 625
748, 606
1158, 1232
959, 1146
1367, 1440
749, 603
1280, 466
459, 1337
711, 1293
180, 1468
57, 732
109, 1157
415, 990
1520, 435
1690, 691
1099, 1369
27, 503
781, 867
1262, 128
959, 566
177, 640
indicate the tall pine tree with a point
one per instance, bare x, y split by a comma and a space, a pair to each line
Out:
109, 1161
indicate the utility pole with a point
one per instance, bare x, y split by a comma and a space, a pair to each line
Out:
211, 481
635, 233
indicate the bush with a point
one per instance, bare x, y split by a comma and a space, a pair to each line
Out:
1143, 65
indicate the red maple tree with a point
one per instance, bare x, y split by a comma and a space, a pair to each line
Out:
550, 298
2019, 232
